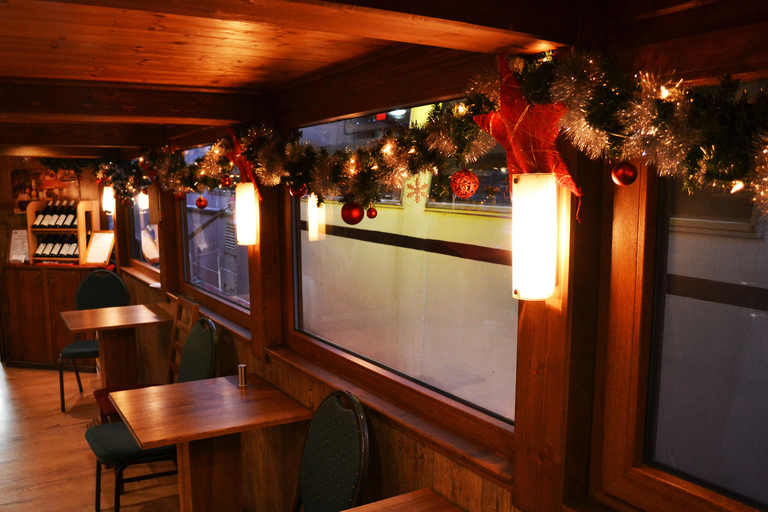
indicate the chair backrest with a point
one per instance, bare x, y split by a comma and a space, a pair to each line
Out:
185, 314
335, 456
198, 360
101, 289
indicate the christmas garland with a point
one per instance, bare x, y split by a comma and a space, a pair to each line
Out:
714, 136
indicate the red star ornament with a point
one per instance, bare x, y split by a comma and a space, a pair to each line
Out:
527, 131
246, 168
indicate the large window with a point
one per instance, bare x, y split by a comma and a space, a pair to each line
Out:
709, 398
425, 293
683, 367
214, 263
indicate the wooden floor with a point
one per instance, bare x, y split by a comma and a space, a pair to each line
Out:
45, 462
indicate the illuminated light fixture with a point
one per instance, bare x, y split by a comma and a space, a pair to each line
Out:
143, 200
398, 113
534, 236
315, 219
246, 214
108, 200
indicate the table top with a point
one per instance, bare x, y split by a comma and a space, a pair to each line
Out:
423, 500
120, 317
188, 411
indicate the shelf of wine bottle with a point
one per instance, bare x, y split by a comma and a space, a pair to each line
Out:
57, 247
59, 229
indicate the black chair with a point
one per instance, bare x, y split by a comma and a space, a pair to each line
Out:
99, 289
335, 456
114, 445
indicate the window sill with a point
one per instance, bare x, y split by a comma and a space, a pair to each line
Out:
235, 328
141, 276
450, 443
586, 505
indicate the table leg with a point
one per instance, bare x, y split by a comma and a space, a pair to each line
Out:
211, 475
117, 354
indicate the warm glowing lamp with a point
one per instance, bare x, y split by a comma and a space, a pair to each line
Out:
108, 200
534, 236
246, 214
143, 201
315, 220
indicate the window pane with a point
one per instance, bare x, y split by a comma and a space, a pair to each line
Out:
709, 392
143, 234
213, 260
424, 293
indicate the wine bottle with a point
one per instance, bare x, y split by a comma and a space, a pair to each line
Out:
42, 244
71, 215
49, 216
72, 246
41, 215
55, 215
57, 246
63, 215
76, 254
49, 246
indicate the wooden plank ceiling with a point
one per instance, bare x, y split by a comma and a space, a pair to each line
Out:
83, 77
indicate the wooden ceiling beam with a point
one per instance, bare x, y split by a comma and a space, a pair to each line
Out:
51, 102
81, 135
704, 58
56, 152
486, 26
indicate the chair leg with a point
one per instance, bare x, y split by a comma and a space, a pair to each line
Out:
98, 486
118, 486
61, 381
77, 374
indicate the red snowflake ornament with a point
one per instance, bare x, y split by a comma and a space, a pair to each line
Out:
417, 190
527, 131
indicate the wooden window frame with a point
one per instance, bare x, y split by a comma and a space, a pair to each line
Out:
237, 314
618, 476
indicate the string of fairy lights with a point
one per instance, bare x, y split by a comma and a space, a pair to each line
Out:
706, 137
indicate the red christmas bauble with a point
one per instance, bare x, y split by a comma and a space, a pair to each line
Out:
53, 174
179, 196
98, 181
624, 173
201, 202
464, 183
79, 177
371, 212
299, 192
352, 213
226, 181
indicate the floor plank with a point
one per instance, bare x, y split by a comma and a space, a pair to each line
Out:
45, 462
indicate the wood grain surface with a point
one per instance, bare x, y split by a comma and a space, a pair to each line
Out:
121, 317
189, 411
423, 500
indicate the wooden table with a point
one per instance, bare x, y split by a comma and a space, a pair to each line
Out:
423, 500
204, 419
116, 331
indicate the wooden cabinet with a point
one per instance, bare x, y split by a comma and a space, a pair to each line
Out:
35, 295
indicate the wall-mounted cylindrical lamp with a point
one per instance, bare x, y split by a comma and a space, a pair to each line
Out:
534, 236
315, 219
108, 200
246, 214
143, 200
